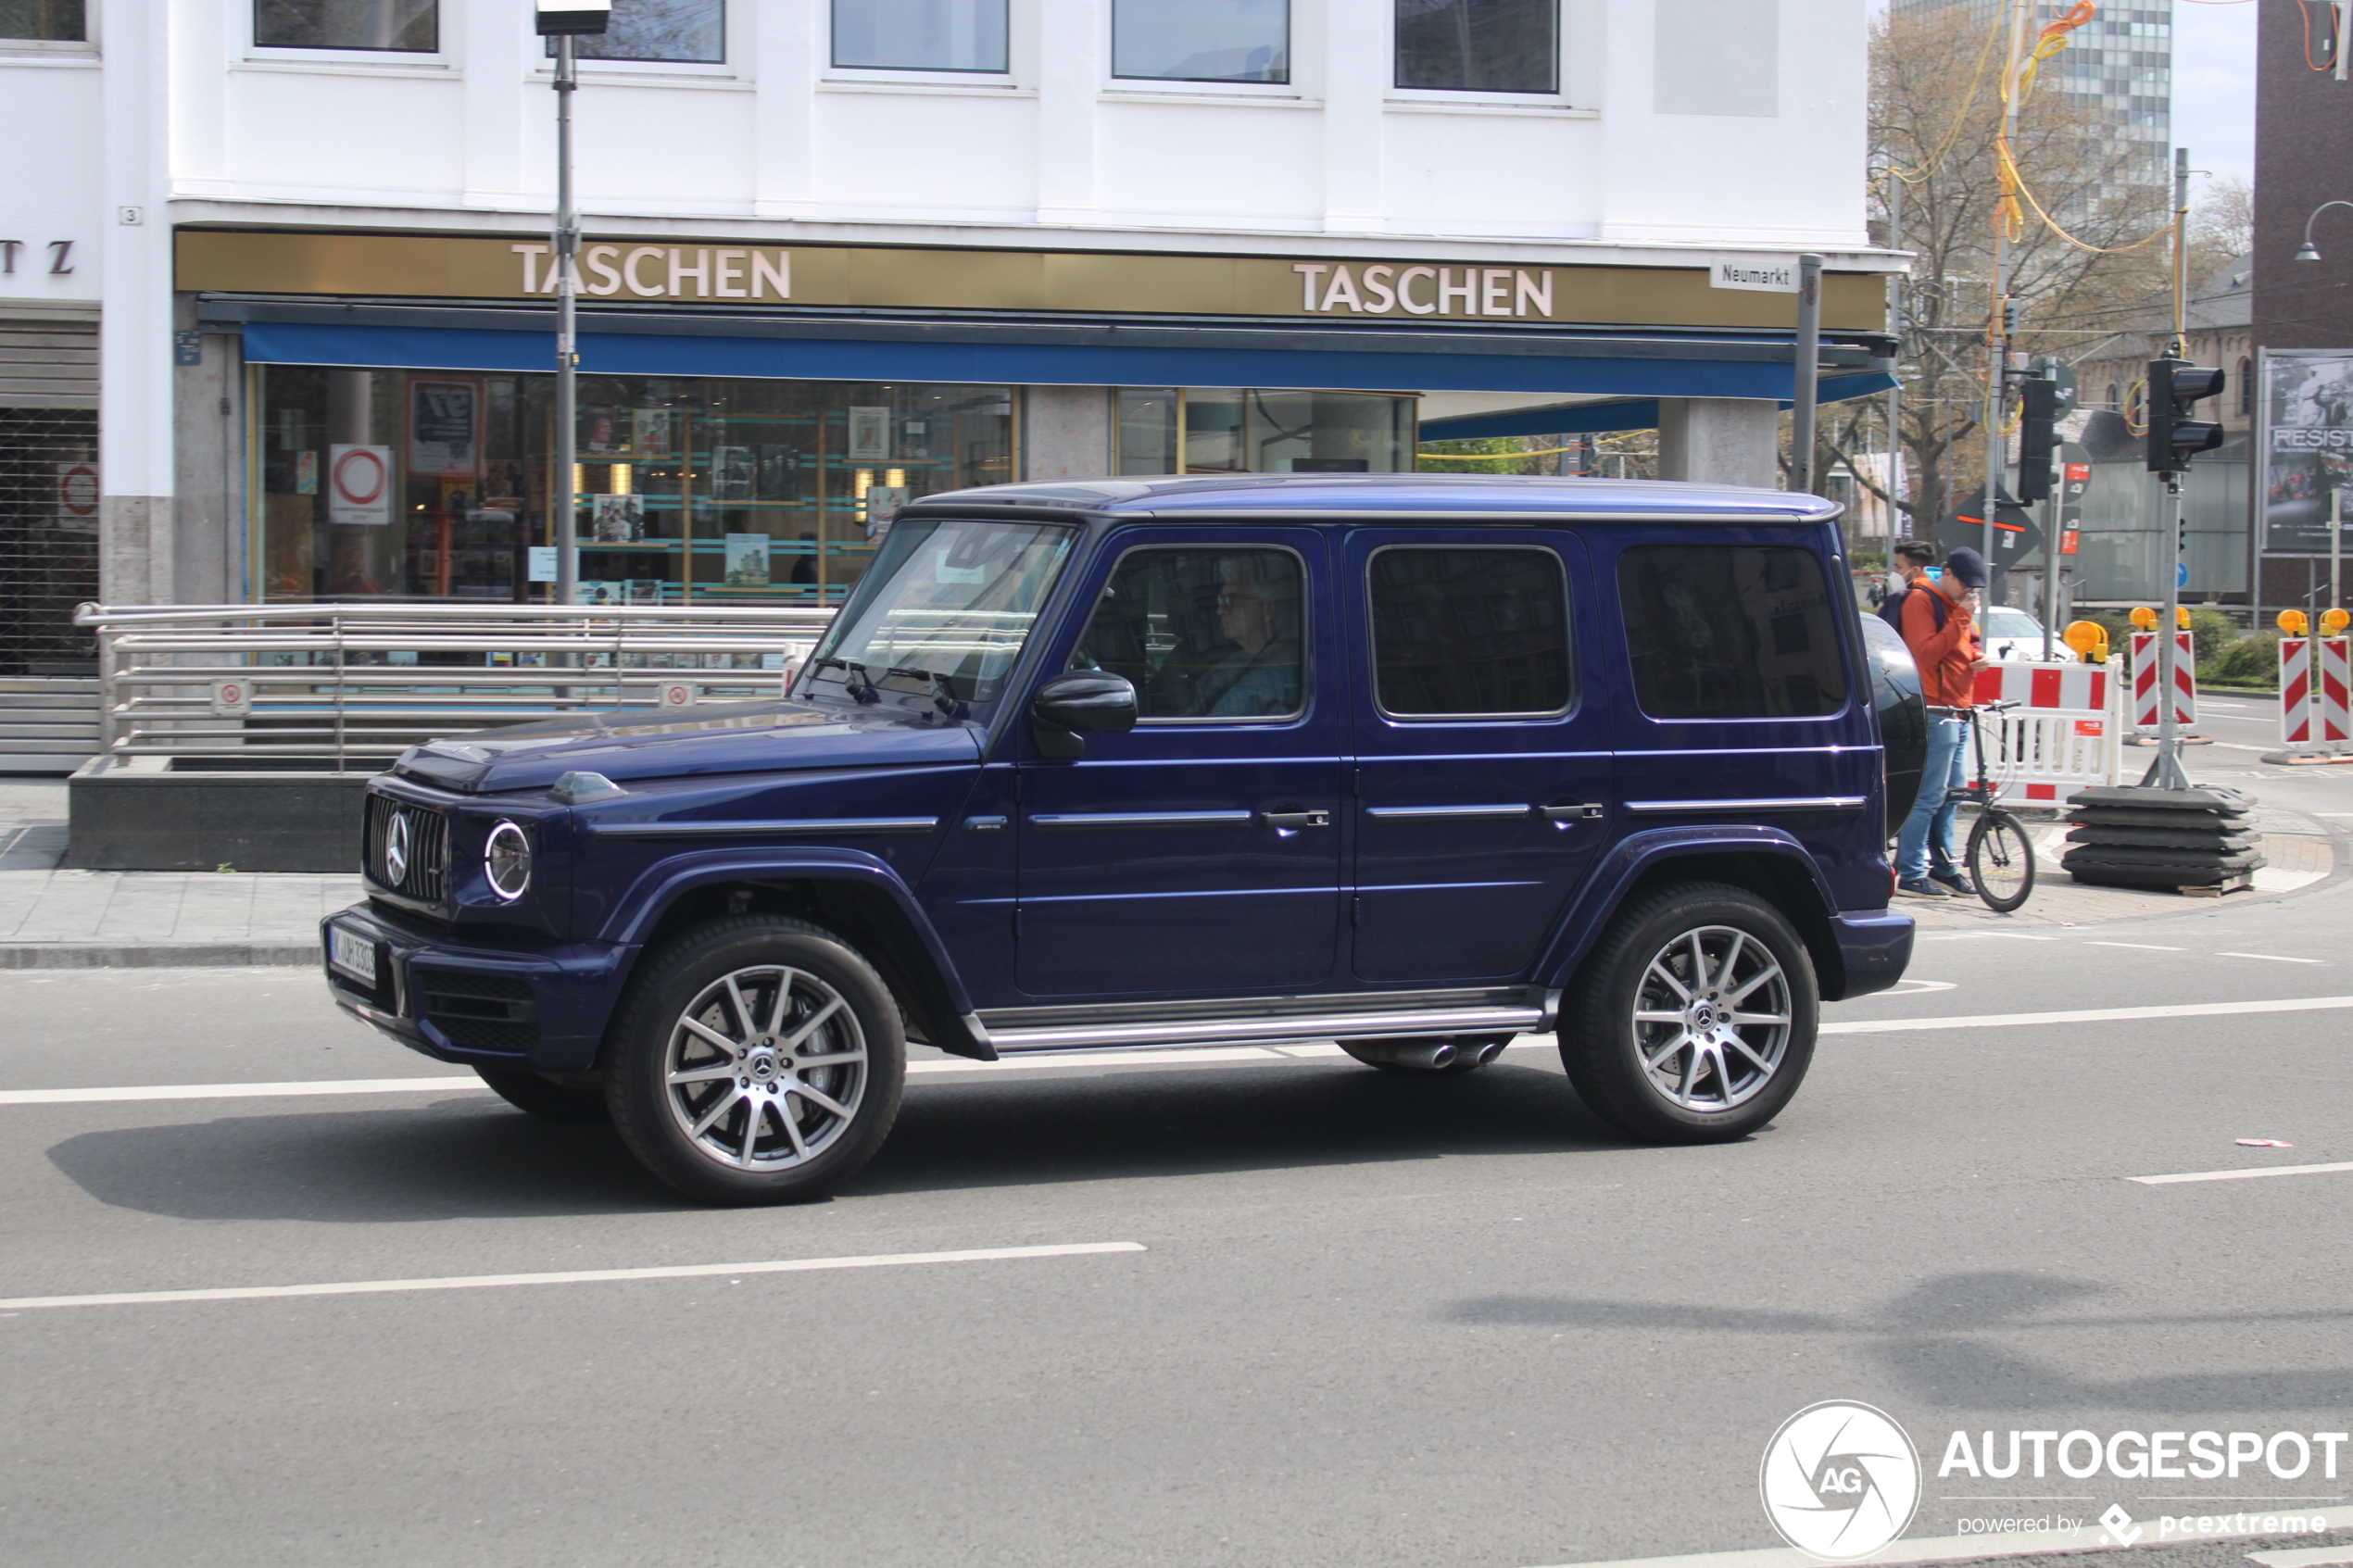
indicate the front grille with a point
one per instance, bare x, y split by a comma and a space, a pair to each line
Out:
424, 875
491, 1012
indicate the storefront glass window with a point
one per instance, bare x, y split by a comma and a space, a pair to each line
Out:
410, 26
435, 485
1201, 40
920, 35
1233, 430
694, 31
1479, 46
55, 21
1147, 419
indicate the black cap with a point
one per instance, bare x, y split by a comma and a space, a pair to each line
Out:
1966, 565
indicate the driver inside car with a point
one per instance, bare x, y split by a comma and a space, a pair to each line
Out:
1258, 612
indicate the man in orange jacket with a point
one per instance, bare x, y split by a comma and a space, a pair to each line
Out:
1940, 627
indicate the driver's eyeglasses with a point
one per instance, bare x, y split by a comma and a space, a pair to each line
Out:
1227, 601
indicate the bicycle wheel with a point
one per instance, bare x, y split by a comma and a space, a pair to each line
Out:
2001, 860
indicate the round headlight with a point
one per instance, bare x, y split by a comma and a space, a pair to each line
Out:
505, 860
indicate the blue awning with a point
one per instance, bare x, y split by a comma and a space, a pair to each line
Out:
1685, 366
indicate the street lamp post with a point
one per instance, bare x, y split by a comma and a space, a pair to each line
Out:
2308, 251
564, 20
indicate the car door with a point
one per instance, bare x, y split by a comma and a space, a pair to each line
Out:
1483, 774
1199, 851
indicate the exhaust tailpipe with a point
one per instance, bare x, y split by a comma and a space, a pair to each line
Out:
1484, 1051
1427, 1056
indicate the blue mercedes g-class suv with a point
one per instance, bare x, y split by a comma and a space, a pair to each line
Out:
1413, 763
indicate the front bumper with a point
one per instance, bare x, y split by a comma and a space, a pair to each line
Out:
542, 1008
1874, 946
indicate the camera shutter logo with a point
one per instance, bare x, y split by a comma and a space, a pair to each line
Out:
1840, 1480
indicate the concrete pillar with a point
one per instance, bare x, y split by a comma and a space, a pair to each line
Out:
1719, 441
1066, 432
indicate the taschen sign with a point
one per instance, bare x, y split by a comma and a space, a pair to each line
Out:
753, 276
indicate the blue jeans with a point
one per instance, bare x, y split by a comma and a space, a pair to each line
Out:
1931, 824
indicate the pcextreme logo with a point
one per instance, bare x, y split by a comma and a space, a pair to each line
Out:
1840, 1480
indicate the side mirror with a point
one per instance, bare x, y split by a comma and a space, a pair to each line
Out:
1085, 702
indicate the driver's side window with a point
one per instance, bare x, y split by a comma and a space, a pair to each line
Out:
1203, 633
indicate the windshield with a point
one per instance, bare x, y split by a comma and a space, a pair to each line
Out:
944, 609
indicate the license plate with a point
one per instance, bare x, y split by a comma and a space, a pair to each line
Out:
351, 953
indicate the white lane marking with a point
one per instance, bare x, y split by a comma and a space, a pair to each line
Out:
2270, 957
1182, 1056
574, 1276
2093, 1015
2246, 1175
2235, 746
1950, 1548
2145, 947
1922, 988
240, 1091
2303, 1556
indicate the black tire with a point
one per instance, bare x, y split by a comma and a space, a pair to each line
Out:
544, 1097
2001, 860
1467, 1051
808, 1092
1720, 1090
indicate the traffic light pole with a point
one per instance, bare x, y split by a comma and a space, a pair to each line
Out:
2050, 575
2165, 771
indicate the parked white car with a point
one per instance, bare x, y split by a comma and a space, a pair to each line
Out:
2013, 634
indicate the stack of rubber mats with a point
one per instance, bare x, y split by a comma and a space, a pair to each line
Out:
2131, 837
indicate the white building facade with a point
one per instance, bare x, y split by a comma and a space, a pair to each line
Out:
278, 279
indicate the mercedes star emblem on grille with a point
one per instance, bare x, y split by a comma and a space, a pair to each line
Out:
397, 849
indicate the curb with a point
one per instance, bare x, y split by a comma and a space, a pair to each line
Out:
158, 955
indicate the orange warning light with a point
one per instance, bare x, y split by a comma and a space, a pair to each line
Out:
2294, 623
2145, 617
2334, 621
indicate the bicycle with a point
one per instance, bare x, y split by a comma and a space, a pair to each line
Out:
2000, 855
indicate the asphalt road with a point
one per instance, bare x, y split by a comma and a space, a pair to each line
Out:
1375, 1321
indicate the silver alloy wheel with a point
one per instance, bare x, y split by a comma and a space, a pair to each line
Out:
766, 1068
1712, 1019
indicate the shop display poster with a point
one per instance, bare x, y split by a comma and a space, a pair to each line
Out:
649, 432
617, 520
747, 560
359, 484
869, 434
445, 420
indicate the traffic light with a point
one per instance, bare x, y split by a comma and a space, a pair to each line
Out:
2037, 437
2174, 384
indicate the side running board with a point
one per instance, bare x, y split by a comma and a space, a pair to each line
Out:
1539, 1013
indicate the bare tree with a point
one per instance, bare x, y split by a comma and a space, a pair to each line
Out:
1935, 122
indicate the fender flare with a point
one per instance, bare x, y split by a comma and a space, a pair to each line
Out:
1634, 857
946, 1004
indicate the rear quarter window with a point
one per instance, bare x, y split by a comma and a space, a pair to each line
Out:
1730, 632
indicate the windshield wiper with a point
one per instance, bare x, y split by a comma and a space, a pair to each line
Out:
943, 691
855, 681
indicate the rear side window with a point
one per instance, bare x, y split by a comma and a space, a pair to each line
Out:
1730, 632
1460, 632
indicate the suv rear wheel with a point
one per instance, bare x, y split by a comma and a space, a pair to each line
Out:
1693, 1020
756, 1059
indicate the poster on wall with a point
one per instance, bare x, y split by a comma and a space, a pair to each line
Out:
445, 422
359, 484
747, 560
617, 520
649, 432
869, 434
2304, 428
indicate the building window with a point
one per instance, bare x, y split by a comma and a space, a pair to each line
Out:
406, 26
1479, 46
689, 31
689, 490
1201, 40
1244, 430
920, 35
2246, 389
49, 21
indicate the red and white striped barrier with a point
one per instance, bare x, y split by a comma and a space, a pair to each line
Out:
2067, 733
2145, 672
2313, 705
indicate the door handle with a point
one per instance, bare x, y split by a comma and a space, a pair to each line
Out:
1295, 819
1570, 812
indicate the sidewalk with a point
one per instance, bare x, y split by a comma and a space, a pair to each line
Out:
53, 919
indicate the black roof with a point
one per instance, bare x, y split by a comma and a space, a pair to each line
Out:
1427, 497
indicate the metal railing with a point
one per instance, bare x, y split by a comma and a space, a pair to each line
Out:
346, 687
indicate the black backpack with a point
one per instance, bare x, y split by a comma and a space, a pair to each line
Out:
1892, 609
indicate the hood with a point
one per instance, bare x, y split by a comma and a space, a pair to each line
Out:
707, 741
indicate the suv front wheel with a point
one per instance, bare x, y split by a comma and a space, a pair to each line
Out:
1693, 1020
756, 1059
